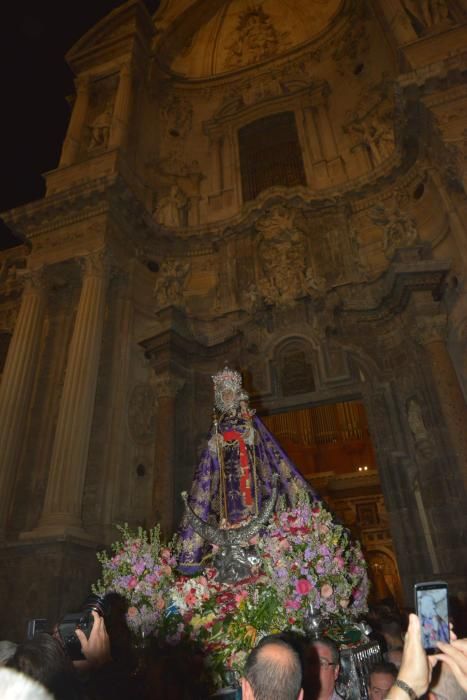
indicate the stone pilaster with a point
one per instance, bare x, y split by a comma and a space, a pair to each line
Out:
73, 138
16, 384
431, 332
121, 113
61, 513
167, 387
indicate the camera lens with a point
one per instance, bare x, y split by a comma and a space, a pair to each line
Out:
97, 603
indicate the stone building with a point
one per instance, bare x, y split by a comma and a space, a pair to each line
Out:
279, 185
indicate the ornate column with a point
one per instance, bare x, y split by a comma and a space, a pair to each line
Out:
314, 145
61, 513
16, 384
72, 141
167, 387
432, 333
326, 134
121, 113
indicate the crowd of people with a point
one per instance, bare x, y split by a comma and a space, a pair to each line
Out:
280, 667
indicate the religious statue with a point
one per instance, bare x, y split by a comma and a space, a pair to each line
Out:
99, 128
234, 481
170, 210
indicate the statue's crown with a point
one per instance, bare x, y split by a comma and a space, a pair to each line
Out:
227, 379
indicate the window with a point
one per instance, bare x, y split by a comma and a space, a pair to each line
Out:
270, 154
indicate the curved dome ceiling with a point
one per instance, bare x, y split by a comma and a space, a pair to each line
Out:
235, 34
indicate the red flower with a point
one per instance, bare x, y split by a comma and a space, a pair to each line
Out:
303, 586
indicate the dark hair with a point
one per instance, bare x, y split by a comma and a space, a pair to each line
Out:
332, 646
44, 660
384, 667
273, 676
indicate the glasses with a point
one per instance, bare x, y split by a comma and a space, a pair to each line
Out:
324, 663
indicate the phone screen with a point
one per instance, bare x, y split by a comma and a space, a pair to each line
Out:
431, 601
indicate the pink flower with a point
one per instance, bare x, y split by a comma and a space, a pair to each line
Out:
303, 586
254, 540
132, 612
292, 604
344, 603
284, 545
160, 604
241, 596
326, 590
323, 529
133, 582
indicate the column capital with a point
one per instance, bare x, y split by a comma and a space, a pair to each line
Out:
431, 329
168, 385
34, 281
96, 264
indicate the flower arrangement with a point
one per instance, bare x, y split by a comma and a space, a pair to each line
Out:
306, 559
142, 571
310, 559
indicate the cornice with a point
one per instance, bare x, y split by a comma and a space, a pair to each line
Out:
392, 291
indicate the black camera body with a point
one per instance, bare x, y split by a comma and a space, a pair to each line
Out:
82, 620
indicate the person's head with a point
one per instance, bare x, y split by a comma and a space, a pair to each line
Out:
391, 629
7, 650
321, 668
17, 686
272, 671
44, 659
382, 677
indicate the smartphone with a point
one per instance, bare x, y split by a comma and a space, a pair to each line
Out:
431, 605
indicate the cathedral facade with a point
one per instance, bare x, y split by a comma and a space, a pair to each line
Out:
279, 185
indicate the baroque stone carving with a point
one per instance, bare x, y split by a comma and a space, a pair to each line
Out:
177, 113
424, 14
257, 39
142, 414
168, 290
399, 228
371, 124
285, 271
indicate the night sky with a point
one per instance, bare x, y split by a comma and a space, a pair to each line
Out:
35, 80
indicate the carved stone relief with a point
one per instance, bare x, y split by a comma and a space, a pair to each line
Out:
354, 45
286, 272
170, 283
172, 209
399, 228
142, 414
256, 39
371, 124
177, 116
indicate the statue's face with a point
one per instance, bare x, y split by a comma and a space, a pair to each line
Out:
229, 399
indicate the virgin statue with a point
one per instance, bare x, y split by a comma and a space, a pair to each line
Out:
235, 474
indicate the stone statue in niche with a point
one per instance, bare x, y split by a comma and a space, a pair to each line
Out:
99, 128
172, 209
422, 439
142, 414
286, 273
399, 228
169, 173
424, 14
177, 113
168, 290
257, 39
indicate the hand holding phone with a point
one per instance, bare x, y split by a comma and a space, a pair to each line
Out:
431, 604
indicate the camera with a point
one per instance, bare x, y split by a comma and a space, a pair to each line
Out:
82, 620
35, 627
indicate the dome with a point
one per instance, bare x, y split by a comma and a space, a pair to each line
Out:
234, 34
